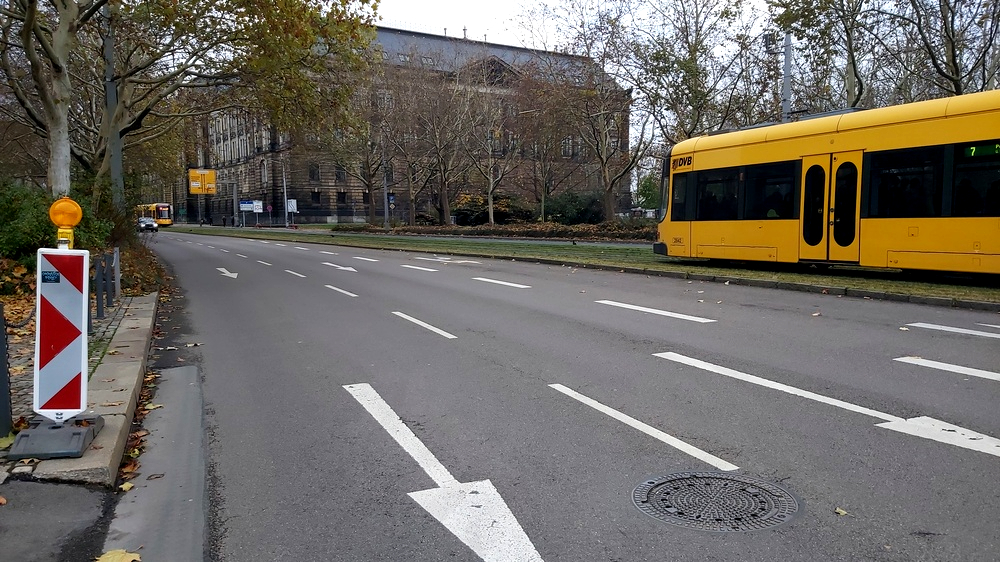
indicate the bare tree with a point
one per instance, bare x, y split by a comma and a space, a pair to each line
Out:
491, 142
957, 38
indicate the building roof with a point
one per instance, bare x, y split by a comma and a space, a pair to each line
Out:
451, 53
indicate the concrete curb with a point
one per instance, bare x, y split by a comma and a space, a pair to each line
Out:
113, 392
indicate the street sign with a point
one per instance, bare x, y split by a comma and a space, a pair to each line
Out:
62, 292
258, 206
201, 181
246, 205
293, 206
270, 208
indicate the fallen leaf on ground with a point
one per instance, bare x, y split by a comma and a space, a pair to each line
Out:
6, 441
126, 486
114, 352
3, 500
111, 404
841, 512
155, 476
154, 406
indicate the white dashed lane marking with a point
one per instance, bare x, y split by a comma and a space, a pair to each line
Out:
657, 311
969, 371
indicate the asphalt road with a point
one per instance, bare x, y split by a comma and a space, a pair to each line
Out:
567, 389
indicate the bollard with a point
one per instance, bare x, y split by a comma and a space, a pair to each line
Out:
6, 410
118, 273
109, 284
99, 287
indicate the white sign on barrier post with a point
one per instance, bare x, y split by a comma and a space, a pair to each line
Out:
62, 299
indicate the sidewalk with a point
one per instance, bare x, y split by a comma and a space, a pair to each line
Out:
118, 346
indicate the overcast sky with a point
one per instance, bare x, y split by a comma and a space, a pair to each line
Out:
497, 19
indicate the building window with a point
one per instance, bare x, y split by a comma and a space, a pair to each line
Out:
315, 198
567, 147
313, 172
341, 197
340, 174
427, 61
385, 55
385, 101
403, 57
388, 174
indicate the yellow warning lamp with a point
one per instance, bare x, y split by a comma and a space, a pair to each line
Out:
66, 214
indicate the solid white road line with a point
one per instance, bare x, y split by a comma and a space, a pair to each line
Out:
425, 325
969, 371
955, 330
293, 273
647, 429
989, 325
388, 419
922, 426
263, 262
364, 259
417, 268
657, 311
504, 283
340, 290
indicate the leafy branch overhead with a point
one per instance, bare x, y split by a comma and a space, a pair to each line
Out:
173, 59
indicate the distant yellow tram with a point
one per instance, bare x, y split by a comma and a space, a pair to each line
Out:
914, 186
162, 213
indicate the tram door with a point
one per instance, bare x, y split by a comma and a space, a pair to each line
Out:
831, 193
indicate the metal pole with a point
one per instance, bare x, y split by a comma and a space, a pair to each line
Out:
6, 410
236, 204
786, 80
385, 188
284, 189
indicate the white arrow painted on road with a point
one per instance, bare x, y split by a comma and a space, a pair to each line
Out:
340, 267
474, 511
226, 272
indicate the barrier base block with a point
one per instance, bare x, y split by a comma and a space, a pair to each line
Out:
45, 439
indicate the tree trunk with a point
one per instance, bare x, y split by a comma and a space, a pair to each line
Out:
63, 38
59, 147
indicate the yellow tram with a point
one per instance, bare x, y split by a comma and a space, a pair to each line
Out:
914, 186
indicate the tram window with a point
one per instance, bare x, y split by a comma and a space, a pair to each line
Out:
678, 201
907, 183
770, 191
976, 190
717, 194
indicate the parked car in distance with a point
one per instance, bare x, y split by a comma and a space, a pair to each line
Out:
147, 224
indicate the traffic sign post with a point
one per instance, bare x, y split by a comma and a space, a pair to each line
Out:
61, 354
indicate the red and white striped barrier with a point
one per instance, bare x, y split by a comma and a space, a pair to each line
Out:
61, 333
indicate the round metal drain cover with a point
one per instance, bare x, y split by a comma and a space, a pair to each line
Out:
716, 501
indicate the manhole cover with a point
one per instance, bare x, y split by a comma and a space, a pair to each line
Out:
716, 501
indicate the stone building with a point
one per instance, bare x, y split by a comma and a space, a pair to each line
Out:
448, 120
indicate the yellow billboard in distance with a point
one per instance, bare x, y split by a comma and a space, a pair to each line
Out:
201, 181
